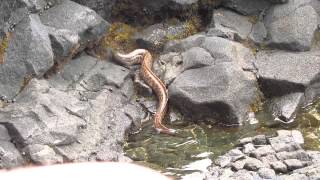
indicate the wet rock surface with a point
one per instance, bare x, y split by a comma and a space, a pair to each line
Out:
294, 162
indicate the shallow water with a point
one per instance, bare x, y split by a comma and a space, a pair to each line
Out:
196, 145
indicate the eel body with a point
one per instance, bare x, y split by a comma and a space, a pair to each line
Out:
143, 57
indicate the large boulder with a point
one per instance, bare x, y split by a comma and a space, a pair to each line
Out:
86, 23
290, 80
247, 7
207, 78
282, 73
102, 7
29, 53
228, 24
291, 26
79, 114
9, 154
220, 92
31, 48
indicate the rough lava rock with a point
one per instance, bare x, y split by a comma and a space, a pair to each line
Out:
247, 7
81, 20
220, 92
291, 26
282, 73
208, 80
98, 119
29, 53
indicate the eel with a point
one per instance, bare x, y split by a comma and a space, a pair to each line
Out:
144, 57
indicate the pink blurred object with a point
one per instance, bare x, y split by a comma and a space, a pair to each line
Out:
91, 171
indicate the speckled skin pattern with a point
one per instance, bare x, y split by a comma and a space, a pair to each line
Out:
143, 57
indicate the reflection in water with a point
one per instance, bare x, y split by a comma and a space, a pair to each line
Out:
196, 145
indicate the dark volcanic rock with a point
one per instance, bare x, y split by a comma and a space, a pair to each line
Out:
81, 20
102, 7
291, 26
184, 44
247, 7
210, 92
282, 73
155, 36
284, 108
9, 156
97, 118
28, 54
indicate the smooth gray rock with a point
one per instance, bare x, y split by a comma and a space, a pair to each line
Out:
184, 44
223, 161
176, 63
266, 173
259, 140
248, 148
39, 116
279, 166
262, 151
102, 7
4, 135
79, 19
224, 50
236, 22
284, 108
28, 54
238, 165
155, 36
64, 43
312, 171
247, 7
242, 175
253, 164
293, 164
10, 157
221, 92
78, 130
294, 176
300, 155
268, 159
90, 73
283, 73
287, 141
291, 26
245, 140
43, 154
314, 156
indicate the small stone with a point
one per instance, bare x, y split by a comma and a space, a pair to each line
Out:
293, 164
43, 154
242, 175
279, 166
246, 140
259, 140
300, 155
263, 151
268, 159
267, 173
235, 154
297, 137
223, 161
226, 173
294, 176
253, 164
238, 165
248, 148
314, 156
